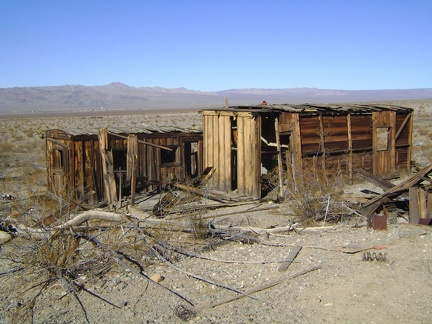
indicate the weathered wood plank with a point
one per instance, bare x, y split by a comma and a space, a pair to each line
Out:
79, 170
132, 161
202, 192
279, 156
227, 153
413, 205
291, 256
241, 156
296, 147
215, 147
350, 152
382, 183
107, 168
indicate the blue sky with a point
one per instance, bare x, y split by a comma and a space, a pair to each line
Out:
212, 45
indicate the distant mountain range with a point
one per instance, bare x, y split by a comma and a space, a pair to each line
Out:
118, 96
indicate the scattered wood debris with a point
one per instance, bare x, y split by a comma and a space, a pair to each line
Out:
419, 187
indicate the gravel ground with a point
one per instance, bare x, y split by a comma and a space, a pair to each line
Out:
344, 289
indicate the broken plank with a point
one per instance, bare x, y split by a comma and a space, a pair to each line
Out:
291, 256
201, 192
396, 190
382, 183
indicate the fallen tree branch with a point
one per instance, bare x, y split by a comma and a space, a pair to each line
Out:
256, 230
250, 210
15, 269
76, 221
81, 287
70, 289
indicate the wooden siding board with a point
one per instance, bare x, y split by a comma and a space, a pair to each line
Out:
296, 147
88, 169
224, 132
216, 152
252, 144
209, 145
241, 166
79, 170
350, 147
107, 168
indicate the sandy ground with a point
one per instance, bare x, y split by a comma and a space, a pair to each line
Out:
333, 286
345, 288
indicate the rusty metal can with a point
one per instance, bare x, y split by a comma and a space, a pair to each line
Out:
378, 222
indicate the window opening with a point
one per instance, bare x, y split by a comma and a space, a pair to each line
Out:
120, 158
58, 159
170, 158
191, 159
382, 138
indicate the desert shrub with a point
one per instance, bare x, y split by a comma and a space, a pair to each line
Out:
423, 131
313, 194
29, 132
6, 146
18, 137
71, 257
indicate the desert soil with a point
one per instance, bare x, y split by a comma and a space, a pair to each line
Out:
334, 286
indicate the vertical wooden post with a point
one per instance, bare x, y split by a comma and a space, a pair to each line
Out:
132, 157
391, 160
79, 170
120, 187
428, 203
107, 168
375, 158
209, 146
350, 150
322, 141
224, 132
422, 195
240, 155
279, 156
89, 170
413, 205
296, 146
409, 153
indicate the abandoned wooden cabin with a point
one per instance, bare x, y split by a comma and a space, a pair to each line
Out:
106, 164
244, 142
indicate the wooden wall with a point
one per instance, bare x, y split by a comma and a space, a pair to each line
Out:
248, 149
351, 142
383, 158
403, 141
220, 144
217, 149
78, 169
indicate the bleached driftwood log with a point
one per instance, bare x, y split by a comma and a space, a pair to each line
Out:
76, 221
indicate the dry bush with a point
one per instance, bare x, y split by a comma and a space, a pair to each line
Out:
63, 257
6, 146
74, 259
313, 194
186, 206
71, 257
